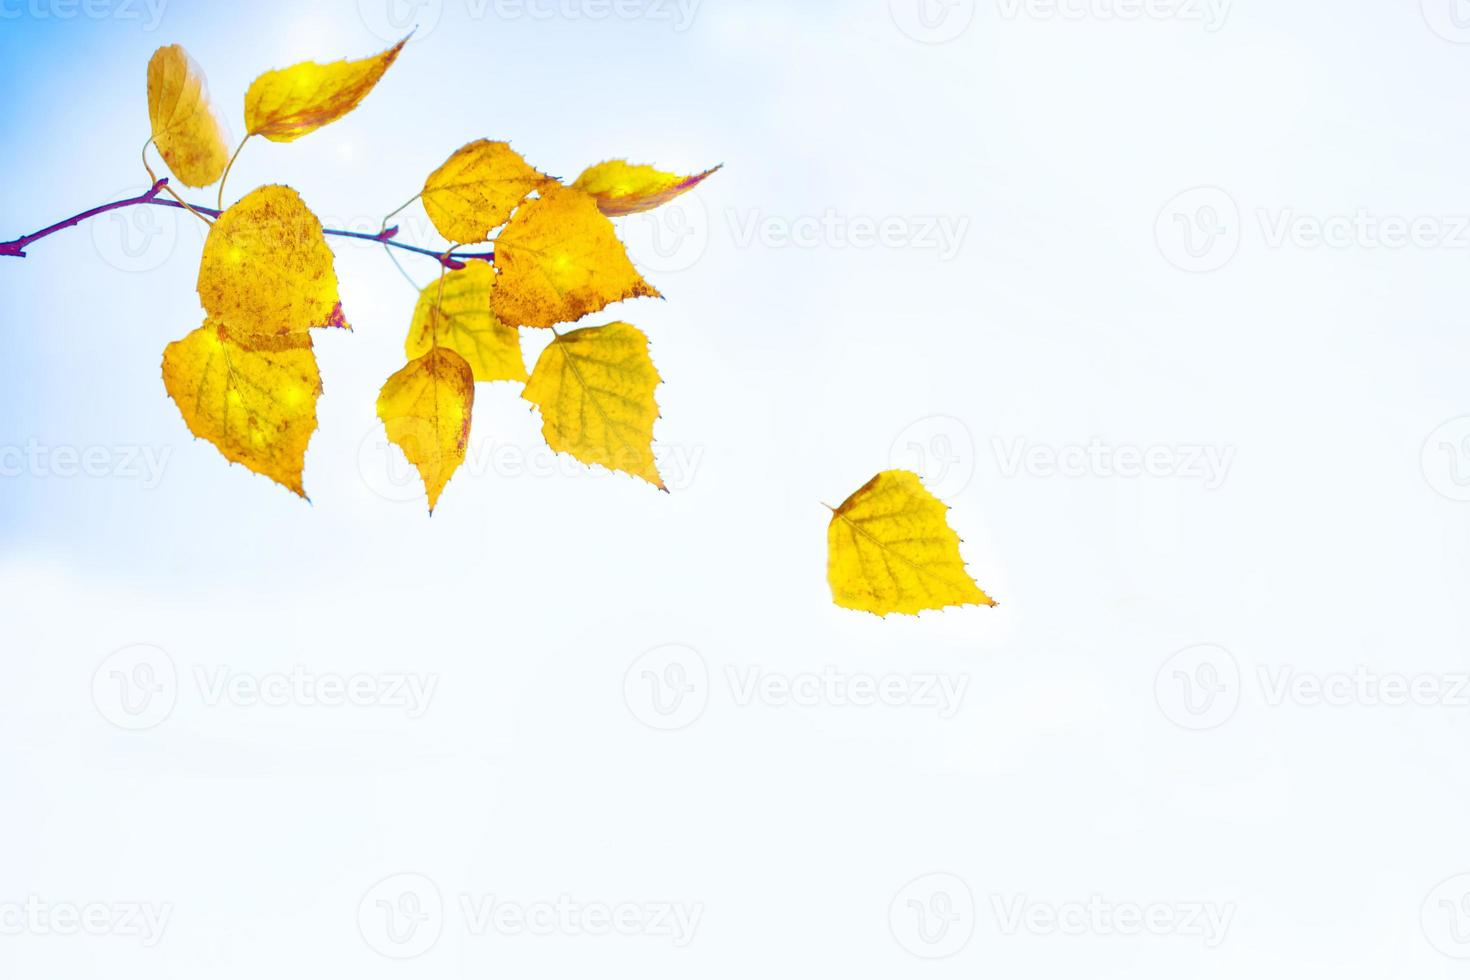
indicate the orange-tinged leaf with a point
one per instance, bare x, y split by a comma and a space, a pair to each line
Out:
594, 387
426, 410
476, 189
454, 312
185, 128
267, 271
623, 188
258, 407
559, 260
890, 550
287, 104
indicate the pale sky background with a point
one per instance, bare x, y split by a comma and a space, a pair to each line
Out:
1100, 242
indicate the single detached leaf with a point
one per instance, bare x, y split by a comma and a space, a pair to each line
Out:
560, 260
426, 409
889, 549
594, 387
258, 407
625, 188
476, 189
267, 271
454, 312
287, 104
185, 128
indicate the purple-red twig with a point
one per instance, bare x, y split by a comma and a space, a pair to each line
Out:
388, 236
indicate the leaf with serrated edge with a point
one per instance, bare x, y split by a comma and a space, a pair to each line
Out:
891, 550
454, 312
258, 407
594, 387
559, 260
426, 409
267, 272
475, 190
286, 104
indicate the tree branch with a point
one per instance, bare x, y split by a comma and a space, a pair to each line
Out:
386, 236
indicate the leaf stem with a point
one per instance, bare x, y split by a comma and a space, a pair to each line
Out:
171, 192
386, 236
220, 199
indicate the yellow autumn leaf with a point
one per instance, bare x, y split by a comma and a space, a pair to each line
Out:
258, 407
185, 128
559, 260
454, 312
594, 387
287, 104
890, 550
475, 190
426, 410
623, 188
267, 271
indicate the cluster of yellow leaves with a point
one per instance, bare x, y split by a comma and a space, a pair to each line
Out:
891, 550
557, 260
247, 380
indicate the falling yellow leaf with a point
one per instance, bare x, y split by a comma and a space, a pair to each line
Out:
267, 271
476, 189
594, 387
454, 312
889, 549
625, 188
287, 104
258, 407
560, 260
185, 128
426, 409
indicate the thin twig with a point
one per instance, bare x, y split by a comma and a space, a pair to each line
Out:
386, 236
